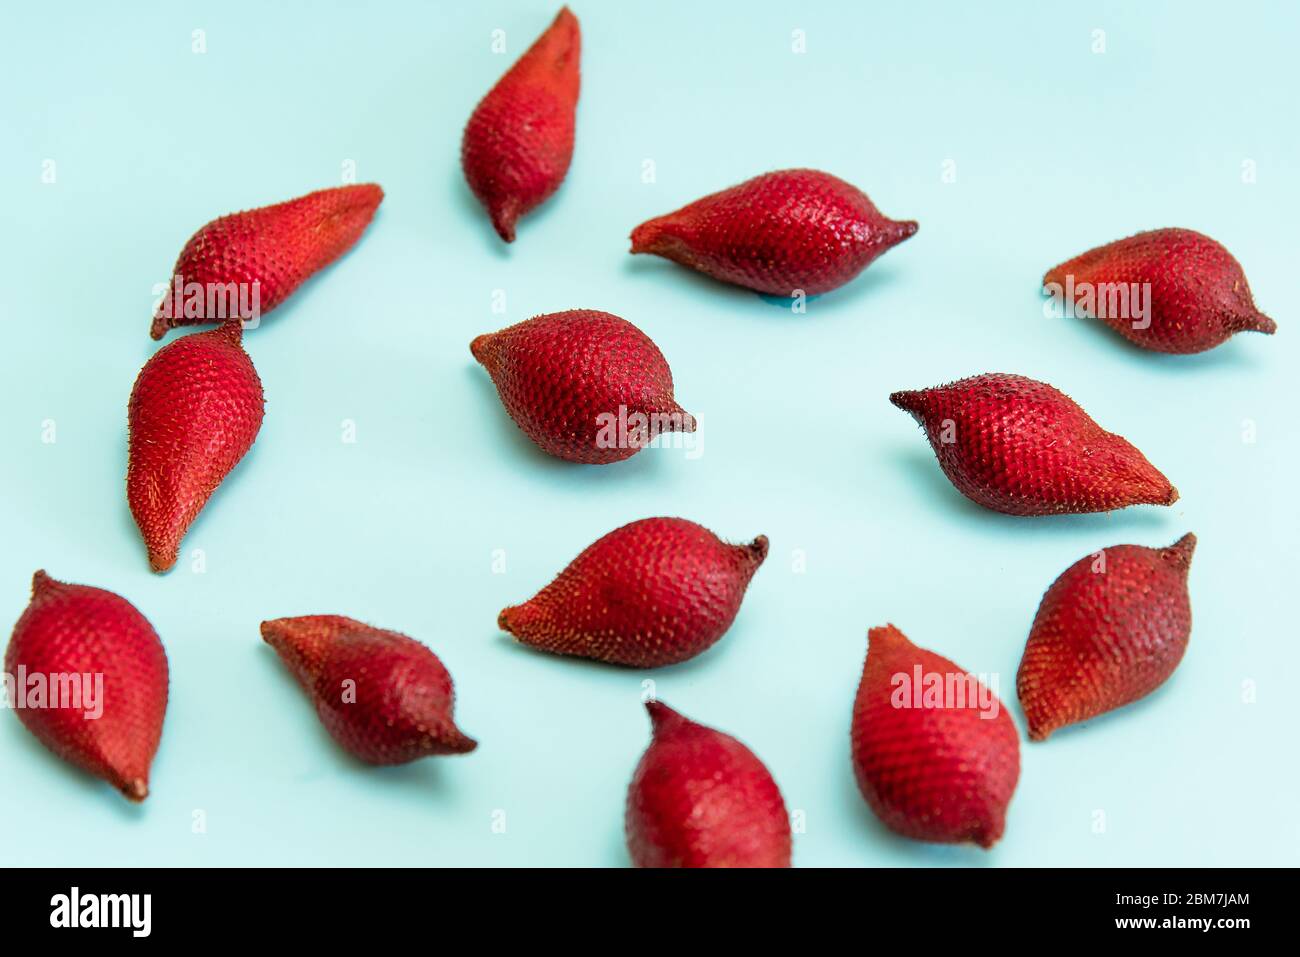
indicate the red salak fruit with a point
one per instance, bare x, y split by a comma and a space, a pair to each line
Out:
654, 592
584, 385
278, 247
195, 410
1198, 293
933, 765
77, 636
1109, 631
1022, 447
384, 697
797, 229
519, 140
700, 798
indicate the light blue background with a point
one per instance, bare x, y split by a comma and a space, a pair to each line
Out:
1056, 149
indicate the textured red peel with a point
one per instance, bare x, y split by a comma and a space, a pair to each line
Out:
585, 386
79, 630
700, 798
518, 143
654, 592
384, 697
1199, 296
1022, 447
796, 229
1109, 631
943, 772
278, 247
195, 410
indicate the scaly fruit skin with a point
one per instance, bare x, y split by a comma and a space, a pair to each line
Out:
519, 140
775, 233
933, 773
278, 247
1109, 631
1199, 295
195, 410
568, 379
700, 798
654, 592
384, 697
78, 630
1022, 447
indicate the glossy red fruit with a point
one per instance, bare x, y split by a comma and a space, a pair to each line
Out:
934, 766
277, 247
1198, 293
195, 410
519, 140
78, 643
1109, 631
700, 798
584, 385
384, 697
654, 592
797, 229
1022, 447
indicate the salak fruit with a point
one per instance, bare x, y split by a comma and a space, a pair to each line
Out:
195, 410
700, 798
797, 229
1192, 291
936, 755
1022, 447
384, 697
654, 592
584, 385
108, 722
276, 247
1109, 631
519, 140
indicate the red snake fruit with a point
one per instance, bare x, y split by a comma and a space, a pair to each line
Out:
936, 755
584, 385
519, 140
195, 410
655, 592
1109, 631
1192, 292
384, 697
277, 247
90, 681
700, 798
797, 229
1022, 447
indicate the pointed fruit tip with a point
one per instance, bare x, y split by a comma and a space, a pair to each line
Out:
903, 229
135, 789
884, 634
1261, 323
504, 217
660, 714
645, 236
1182, 549
41, 581
461, 744
905, 400
159, 327
757, 550
478, 347
507, 621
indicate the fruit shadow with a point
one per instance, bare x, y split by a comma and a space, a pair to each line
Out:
764, 305
87, 785
933, 490
527, 454
424, 775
